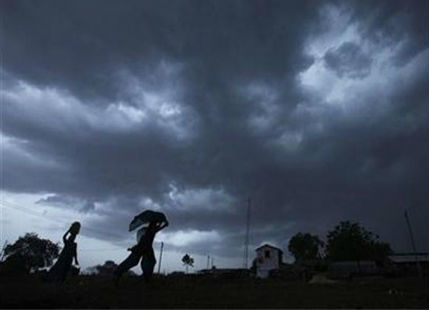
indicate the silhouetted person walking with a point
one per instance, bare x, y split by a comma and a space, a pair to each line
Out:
143, 249
58, 272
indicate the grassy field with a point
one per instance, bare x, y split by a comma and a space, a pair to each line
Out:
99, 292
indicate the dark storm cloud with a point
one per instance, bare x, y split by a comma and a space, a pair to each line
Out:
390, 22
192, 107
348, 60
66, 202
136, 36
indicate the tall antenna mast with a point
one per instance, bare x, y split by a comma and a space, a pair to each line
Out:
246, 240
413, 244
2, 254
160, 257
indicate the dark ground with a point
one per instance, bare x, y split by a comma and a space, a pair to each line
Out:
187, 292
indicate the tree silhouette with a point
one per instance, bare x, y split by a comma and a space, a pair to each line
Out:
351, 241
187, 261
30, 253
305, 247
107, 269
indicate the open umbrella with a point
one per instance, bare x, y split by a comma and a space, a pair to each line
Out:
145, 217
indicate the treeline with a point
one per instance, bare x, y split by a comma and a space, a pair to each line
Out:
346, 242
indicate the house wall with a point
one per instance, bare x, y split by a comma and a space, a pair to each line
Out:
264, 264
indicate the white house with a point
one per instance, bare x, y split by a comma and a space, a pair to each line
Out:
268, 258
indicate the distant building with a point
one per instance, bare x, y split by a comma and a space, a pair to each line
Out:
348, 269
268, 258
225, 272
177, 274
408, 262
409, 258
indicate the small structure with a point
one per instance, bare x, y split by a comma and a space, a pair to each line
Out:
348, 269
225, 272
410, 258
291, 272
410, 262
268, 258
177, 274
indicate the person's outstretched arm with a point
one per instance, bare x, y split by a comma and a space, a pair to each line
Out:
75, 255
162, 226
65, 236
75, 258
133, 248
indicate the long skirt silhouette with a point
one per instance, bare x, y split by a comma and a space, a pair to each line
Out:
59, 271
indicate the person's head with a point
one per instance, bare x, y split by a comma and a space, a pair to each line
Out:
152, 225
75, 228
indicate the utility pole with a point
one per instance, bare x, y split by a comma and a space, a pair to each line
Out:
160, 257
208, 261
2, 254
246, 240
413, 244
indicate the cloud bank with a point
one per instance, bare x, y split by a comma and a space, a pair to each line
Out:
317, 111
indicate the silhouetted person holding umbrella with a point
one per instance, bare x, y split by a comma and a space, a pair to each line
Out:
58, 272
143, 249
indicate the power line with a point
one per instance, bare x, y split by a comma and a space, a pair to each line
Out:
413, 244
56, 221
26, 210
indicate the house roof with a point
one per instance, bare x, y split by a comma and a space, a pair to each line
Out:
266, 245
410, 253
222, 270
347, 263
409, 257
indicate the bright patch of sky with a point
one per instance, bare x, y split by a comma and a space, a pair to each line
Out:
57, 108
318, 78
197, 199
187, 237
351, 94
157, 95
290, 140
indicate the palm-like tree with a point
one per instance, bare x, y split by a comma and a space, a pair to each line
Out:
187, 261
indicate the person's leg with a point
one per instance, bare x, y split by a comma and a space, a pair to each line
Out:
131, 261
149, 271
147, 264
65, 271
59, 271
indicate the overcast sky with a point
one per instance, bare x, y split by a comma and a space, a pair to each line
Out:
316, 110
